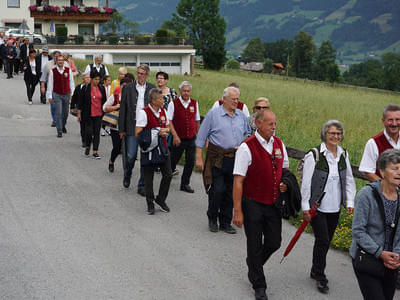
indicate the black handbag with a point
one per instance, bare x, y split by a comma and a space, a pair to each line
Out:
368, 263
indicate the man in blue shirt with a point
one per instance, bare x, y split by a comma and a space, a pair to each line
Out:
225, 127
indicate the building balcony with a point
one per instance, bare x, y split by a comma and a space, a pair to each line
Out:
98, 14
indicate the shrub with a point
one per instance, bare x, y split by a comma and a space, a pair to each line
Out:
268, 65
61, 34
232, 64
113, 39
165, 36
142, 40
79, 39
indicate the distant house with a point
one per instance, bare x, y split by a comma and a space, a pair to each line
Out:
278, 68
43, 16
252, 66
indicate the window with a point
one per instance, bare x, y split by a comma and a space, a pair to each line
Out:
86, 29
12, 3
38, 28
175, 64
76, 2
89, 57
163, 64
154, 64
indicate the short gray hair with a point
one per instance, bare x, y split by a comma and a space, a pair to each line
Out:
328, 124
390, 107
185, 83
154, 94
228, 89
390, 156
85, 74
122, 70
144, 67
98, 56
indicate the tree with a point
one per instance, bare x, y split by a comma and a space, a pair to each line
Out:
391, 68
268, 65
232, 64
254, 51
175, 26
119, 23
325, 68
205, 27
279, 51
303, 53
369, 73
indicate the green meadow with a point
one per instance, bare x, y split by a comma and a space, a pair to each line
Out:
301, 109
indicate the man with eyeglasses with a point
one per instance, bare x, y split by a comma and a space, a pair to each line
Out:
135, 96
225, 127
259, 162
243, 107
260, 104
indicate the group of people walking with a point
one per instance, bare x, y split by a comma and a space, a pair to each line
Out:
243, 167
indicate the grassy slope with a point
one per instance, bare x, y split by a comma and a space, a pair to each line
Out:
301, 109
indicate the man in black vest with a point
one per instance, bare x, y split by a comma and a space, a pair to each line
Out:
98, 66
135, 96
25, 47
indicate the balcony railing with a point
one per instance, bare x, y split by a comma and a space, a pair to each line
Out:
102, 14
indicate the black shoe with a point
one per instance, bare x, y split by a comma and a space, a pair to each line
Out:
127, 181
213, 226
59, 134
87, 151
83, 145
53, 124
322, 287
64, 130
315, 277
111, 167
187, 188
260, 294
141, 191
96, 156
43, 102
150, 208
227, 228
163, 206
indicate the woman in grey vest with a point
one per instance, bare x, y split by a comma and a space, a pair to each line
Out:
326, 169
376, 231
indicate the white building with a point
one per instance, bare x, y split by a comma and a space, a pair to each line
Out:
43, 16
167, 58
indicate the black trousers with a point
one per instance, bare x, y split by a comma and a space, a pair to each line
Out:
116, 141
263, 228
43, 95
10, 64
377, 288
220, 202
92, 131
83, 133
323, 225
166, 173
30, 84
189, 147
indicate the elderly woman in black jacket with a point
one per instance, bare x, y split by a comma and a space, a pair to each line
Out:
90, 112
31, 77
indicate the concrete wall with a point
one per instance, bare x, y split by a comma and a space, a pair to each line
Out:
16, 14
171, 60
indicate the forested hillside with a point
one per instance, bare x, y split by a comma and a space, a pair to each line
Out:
357, 28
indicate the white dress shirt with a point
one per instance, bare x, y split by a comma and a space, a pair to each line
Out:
45, 59
141, 89
332, 199
141, 117
97, 67
171, 109
33, 66
245, 109
371, 153
243, 155
49, 94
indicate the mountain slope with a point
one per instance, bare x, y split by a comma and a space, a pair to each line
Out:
355, 27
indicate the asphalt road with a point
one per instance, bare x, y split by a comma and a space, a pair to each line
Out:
69, 230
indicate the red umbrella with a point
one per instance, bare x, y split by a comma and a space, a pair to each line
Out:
313, 213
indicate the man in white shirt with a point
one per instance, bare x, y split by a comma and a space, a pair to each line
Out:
259, 162
41, 61
60, 88
134, 98
98, 66
184, 116
387, 139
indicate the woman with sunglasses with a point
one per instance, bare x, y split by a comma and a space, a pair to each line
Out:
260, 104
326, 169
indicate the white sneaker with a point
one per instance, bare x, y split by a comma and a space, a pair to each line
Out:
30, 102
175, 172
102, 132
